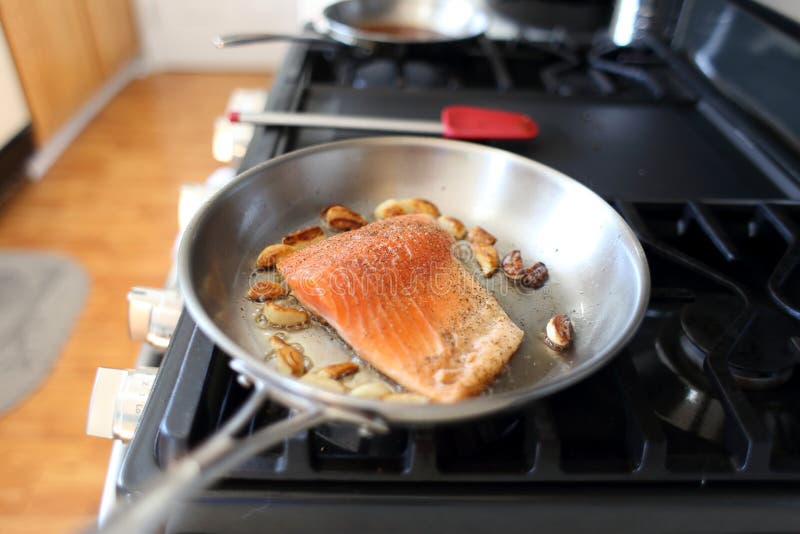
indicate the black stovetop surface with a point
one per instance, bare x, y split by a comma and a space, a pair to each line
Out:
691, 419
652, 436
631, 149
652, 415
625, 142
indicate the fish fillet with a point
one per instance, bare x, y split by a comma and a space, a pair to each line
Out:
396, 294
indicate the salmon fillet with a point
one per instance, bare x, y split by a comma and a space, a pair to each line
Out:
396, 294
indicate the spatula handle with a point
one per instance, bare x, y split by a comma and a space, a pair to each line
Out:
317, 120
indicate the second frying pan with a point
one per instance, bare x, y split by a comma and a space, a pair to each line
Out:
368, 24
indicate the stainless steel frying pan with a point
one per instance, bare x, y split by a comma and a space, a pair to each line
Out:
598, 275
368, 24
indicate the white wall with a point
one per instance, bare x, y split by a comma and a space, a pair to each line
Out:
176, 34
310, 9
15, 110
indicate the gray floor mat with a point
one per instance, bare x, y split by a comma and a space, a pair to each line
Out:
41, 296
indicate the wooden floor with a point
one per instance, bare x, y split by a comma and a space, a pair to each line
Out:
111, 203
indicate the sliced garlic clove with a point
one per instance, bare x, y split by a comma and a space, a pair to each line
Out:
511, 265
452, 226
480, 236
534, 276
287, 357
282, 367
392, 207
419, 205
389, 208
265, 290
281, 316
304, 237
338, 370
323, 382
270, 256
341, 217
559, 333
407, 398
371, 390
487, 258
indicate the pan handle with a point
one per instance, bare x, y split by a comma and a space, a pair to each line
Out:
237, 39
222, 452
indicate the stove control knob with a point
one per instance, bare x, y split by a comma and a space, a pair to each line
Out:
117, 401
153, 314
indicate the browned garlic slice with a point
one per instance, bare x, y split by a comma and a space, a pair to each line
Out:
271, 254
338, 370
278, 315
481, 236
452, 226
487, 257
559, 333
288, 359
265, 290
304, 237
389, 208
341, 217
392, 206
419, 205
535, 276
511, 265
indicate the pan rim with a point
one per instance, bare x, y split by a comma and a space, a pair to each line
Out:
288, 387
343, 32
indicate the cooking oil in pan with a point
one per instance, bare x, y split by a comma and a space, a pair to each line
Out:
321, 346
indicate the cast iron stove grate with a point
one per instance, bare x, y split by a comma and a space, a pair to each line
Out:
556, 68
658, 412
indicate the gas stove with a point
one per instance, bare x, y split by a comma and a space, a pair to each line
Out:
686, 429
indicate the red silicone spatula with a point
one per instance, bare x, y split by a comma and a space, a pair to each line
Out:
458, 122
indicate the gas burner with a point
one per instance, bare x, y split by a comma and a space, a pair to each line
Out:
564, 68
570, 79
602, 70
681, 393
703, 322
423, 74
377, 73
765, 364
627, 63
388, 72
766, 356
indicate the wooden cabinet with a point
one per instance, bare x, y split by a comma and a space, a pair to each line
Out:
64, 50
114, 33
